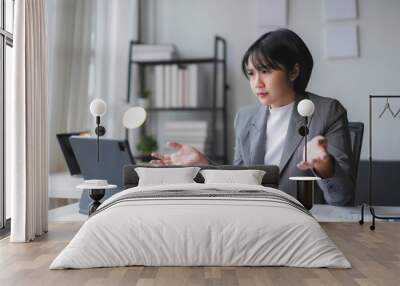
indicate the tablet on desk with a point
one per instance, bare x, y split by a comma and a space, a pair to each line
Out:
113, 155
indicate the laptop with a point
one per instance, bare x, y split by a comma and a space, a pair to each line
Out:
66, 148
113, 155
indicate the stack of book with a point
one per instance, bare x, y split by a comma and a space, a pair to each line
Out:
176, 86
142, 53
153, 52
173, 85
193, 133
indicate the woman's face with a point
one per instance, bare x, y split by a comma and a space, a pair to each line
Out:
272, 87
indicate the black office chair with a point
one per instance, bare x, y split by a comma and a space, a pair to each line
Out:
356, 137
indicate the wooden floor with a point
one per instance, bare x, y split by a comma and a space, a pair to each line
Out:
375, 257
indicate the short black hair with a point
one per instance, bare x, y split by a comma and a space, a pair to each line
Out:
281, 49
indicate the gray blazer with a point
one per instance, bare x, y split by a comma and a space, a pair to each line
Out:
329, 120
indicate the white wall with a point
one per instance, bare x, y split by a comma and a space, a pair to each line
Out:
191, 25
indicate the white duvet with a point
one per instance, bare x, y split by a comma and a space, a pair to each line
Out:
200, 231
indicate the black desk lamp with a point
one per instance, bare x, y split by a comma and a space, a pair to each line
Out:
305, 185
98, 108
305, 108
133, 118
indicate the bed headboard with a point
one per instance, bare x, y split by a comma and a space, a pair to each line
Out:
270, 179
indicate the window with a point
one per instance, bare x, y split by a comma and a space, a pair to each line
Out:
6, 43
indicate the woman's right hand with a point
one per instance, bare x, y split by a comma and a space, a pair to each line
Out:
184, 155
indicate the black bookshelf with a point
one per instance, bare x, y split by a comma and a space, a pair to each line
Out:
219, 58
179, 61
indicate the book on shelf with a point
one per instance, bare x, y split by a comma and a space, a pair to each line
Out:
191, 125
193, 80
167, 86
192, 135
176, 87
185, 87
158, 100
152, 53
180, 92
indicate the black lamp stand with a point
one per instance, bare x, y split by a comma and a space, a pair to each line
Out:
305, 187
100, 131
303, 131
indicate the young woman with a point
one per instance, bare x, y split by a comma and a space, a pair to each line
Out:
278, 66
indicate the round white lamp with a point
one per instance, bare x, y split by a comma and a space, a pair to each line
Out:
134, 117
306, 107
98, 108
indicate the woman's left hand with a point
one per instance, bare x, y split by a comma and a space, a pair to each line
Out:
318, 157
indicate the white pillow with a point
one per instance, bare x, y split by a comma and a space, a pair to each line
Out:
163, 176
249, 177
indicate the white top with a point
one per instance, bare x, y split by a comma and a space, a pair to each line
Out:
277, 126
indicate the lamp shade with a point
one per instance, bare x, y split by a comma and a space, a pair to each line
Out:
98, 107
306, 107
134, 117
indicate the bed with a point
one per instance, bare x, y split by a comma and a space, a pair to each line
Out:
201, 224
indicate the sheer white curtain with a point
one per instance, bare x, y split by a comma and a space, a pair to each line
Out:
27, 130
70, 53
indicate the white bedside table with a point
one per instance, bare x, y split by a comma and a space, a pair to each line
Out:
97, 189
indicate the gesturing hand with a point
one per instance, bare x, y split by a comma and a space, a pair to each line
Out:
184, 155
318, 157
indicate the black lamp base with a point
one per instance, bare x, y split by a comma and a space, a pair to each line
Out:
305, 190
305, 193
96, 195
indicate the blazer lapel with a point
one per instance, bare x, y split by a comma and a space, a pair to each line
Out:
258, 136
255, 139
293, 138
